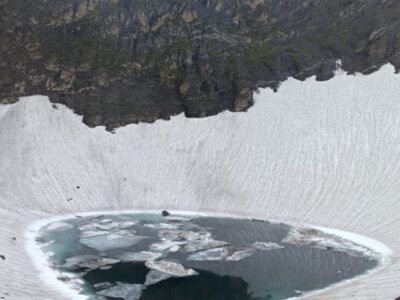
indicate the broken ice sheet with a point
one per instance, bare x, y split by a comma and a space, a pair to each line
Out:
170, 267
155, 276
265, 246
111, 241
87, 262
166, 245
109, 225
123, 291
183, 235
203, 244
138, 256
162, 225
215, 254
241, 254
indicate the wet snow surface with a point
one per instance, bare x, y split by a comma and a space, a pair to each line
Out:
151, 257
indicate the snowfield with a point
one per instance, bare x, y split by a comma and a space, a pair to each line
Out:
323, 153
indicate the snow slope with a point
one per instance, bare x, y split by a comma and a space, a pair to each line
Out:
324, 153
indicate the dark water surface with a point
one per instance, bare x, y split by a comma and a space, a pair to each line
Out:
150, 257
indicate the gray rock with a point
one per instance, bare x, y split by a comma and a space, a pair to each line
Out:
155, 58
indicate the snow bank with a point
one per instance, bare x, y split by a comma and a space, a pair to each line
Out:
325, 153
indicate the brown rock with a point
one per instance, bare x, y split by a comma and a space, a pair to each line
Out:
243, 101
68, 74
184, 88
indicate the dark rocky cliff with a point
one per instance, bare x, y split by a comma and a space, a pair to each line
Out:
125, 61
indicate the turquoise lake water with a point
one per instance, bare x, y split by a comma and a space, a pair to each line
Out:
151, 257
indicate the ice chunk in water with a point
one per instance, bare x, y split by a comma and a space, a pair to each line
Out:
91, 233
170, 267
105, 221
138, 256
155, 276
115, 225
87, 262
241, 254
111, 241
183, 235
162, 225
210, 255
107, 225
123, 291
265, 246
166, 245
203, 244
174, 249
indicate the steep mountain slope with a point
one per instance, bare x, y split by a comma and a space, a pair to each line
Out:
123, 61
324, 153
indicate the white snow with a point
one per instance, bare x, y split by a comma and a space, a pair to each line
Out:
324, 153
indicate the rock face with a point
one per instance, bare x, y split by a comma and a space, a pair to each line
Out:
126, 61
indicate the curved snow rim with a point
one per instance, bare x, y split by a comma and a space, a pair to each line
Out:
49, 275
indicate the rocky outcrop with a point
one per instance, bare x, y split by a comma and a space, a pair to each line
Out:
123, 61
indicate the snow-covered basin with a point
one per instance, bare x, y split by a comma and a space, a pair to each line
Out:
322, 153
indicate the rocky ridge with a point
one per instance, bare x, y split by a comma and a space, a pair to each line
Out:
123, 61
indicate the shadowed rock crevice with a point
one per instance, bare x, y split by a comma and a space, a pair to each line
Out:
123, 61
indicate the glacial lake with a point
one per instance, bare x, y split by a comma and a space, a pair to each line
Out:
147, 256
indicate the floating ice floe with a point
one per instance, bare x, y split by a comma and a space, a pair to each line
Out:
215, 254
175, 218
124, 291
182, 235
241, 254
155, 276
107, 225
90, 233
203, 244
317, 239
170, 267
109, 241
115, 225
87, 262
138, 256
170, 246
174, 249
105, 221
162, 225
102, 285
191, 241
266, 246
